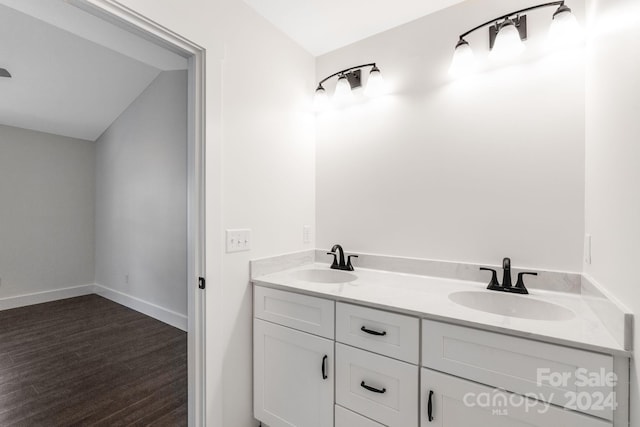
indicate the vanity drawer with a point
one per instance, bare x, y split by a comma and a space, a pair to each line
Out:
301, 312
380, 388
456, 402
346, 418
553, 373
390, 334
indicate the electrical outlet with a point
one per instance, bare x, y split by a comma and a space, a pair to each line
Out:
126, 278
306, 234
238, 240
587, 248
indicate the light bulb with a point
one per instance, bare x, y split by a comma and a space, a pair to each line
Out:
564, 29
320, 99
343, 92
508, 43
375, 83
463, 60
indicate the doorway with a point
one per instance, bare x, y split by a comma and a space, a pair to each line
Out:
110, 13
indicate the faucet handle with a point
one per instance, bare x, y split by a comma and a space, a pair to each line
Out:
493, 284
335, 259
520, 282
349, 266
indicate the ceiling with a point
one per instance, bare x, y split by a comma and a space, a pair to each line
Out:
321, 26
74, 74
63, 83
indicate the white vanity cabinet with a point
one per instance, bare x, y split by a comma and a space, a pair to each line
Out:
321, 363
293, 370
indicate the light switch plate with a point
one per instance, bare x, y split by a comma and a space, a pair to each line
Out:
238, 240
306, 234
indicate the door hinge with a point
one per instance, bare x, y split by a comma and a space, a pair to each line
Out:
201, 283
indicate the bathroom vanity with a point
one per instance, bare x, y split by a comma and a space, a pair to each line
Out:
375, 348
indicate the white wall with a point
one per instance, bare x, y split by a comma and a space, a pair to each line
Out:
268, 176
141, 198
612, 159
468, 170
259, 84
46, 212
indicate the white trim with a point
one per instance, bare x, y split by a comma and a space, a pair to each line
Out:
44, 296
152, 310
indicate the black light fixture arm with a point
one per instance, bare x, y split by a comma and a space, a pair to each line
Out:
346, 70
508, 15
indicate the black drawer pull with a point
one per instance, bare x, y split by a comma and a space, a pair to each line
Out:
430, 406
373, 389
370, 332
324, 367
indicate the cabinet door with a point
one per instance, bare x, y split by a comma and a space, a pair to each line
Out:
293, 377
455, 402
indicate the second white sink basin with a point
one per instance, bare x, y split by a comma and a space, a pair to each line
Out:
520, 306
324, 276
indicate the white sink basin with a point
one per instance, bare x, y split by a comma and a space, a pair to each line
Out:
324, 276
520, 306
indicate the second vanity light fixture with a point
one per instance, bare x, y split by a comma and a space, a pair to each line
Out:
349, 79
507, 32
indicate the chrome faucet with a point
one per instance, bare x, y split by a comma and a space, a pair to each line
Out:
506, 285
339, 263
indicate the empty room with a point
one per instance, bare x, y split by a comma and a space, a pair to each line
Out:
93, 225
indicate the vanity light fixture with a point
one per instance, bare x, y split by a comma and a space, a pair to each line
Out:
4, 73
507, 32
349, 79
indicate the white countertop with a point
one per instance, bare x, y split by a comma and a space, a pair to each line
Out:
428, 297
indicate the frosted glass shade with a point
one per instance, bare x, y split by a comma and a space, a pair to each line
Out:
320, 99
564, 29
508, 43
463, 60
375, 83
343, 92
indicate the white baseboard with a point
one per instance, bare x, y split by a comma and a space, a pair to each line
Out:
159, 313
45, 296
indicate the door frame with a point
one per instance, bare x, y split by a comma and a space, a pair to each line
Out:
123, 17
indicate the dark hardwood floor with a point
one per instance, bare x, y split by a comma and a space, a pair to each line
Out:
88, 361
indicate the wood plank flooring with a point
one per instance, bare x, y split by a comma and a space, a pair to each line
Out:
88, 361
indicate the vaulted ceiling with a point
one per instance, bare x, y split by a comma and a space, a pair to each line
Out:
63, 83
321, 26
